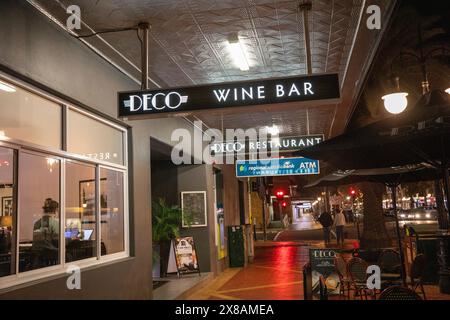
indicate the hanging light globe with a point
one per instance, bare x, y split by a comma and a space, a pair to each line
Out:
395, 103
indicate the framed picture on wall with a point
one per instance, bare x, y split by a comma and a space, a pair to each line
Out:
193, 203
87, 196
7, 206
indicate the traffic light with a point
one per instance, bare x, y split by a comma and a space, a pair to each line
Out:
279, 194
352, 192
284, 204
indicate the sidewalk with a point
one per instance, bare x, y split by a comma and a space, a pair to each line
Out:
276, 274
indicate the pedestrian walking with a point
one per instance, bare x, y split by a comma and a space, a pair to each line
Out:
339, 223
326, 221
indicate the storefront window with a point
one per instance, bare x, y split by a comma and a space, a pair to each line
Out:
34, 228
7, 214
80, 225
94, 139
30, 118
112, 206
39, 218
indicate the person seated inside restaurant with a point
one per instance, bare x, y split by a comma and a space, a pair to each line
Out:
45, 246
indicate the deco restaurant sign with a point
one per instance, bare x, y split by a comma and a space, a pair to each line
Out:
282, 144
226, 95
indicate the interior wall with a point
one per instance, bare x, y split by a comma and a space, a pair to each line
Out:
164, 181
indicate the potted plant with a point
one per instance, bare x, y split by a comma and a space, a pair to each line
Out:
166, 224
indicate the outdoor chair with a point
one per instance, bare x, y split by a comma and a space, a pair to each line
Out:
399, 293
357, 268
344, 277
390, 265
416, 273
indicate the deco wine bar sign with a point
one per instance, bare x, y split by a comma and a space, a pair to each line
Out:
227, 95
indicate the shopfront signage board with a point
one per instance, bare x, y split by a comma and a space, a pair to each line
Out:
283, 144
276, 167
193, 204
229, 95
322, 264
183, 257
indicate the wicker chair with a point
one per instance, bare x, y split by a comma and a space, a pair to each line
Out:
399, 293
416, 273
390, 265
389, 261
357, 268
344, 278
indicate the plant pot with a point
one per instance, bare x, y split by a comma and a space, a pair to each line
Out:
156, 272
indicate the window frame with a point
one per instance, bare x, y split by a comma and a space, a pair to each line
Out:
19, 146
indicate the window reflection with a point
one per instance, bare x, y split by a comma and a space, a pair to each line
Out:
26, 116
80, 225
107, 145
7, 214
112, 217
39, 229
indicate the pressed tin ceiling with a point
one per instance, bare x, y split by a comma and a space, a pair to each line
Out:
188, 46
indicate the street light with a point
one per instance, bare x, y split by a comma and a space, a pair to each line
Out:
396, 102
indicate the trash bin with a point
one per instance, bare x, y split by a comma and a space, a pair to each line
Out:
236, 246
422, 239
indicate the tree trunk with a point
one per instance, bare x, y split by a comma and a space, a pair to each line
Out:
442, 213
374, 234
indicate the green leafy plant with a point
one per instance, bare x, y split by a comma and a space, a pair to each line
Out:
166, 224
167, 220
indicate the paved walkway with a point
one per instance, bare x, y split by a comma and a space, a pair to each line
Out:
306, 222
276, 274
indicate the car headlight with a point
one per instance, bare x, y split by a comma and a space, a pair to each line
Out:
417, 216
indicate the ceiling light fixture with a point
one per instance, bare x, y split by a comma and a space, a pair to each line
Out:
238, 52
7, 87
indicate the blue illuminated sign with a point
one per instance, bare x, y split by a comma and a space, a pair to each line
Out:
276, 167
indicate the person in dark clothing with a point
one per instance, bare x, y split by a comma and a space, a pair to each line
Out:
326, 221
45, 247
